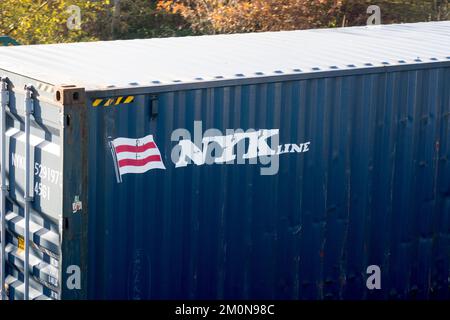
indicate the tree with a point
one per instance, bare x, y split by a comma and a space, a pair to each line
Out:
39, 21
142, 19
46, 21
395, 11
229, 16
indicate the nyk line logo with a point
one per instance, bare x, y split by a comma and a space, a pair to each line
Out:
236, 146
135, 156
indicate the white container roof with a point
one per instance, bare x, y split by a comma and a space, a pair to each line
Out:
122, 64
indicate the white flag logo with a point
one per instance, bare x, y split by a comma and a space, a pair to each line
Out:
135, 155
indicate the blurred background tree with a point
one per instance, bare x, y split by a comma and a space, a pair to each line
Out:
229, 16
395, 11
39, 21
141, 19
45, 21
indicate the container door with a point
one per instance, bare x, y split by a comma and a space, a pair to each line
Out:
45, 181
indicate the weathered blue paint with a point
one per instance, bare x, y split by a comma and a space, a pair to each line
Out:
373, 189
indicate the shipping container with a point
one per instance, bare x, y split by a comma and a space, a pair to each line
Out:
308, 164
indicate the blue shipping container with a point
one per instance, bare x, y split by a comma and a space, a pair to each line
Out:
282, 165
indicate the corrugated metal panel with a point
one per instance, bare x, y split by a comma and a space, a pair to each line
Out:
159, 62
45, 188
373, 189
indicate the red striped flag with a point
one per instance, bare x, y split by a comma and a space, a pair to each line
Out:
136, 155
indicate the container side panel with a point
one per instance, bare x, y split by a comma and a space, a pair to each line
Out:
359, 179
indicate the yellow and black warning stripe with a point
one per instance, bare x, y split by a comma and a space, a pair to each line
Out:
111, 102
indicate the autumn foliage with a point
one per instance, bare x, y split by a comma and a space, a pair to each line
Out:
229, 16
45, 21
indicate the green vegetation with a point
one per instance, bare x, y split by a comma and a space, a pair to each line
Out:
46, 21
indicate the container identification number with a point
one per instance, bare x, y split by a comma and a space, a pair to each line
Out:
42, 190
47, 176
46, 173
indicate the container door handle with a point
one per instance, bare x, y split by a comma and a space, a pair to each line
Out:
29, 110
